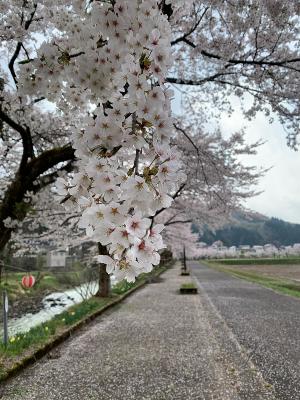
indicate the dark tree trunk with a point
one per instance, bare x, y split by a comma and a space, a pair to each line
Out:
104, 278
12, 204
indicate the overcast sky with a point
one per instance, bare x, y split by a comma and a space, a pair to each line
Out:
281, 185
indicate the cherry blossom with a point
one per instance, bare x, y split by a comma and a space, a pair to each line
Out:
120, 174
86, 91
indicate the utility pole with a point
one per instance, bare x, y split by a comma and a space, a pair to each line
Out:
184, 259
1, 270
5, 312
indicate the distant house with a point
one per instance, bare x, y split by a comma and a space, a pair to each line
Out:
258, 250
233, 250
56, 259
244, 247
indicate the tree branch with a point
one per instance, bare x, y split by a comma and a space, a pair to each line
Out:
281, 63
50, 178
12, 62
28, 151
174, 196
184, 38
192, 82
48, 159
24, 182
187, 221
19, 46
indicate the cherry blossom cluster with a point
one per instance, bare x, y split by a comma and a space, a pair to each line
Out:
127, 168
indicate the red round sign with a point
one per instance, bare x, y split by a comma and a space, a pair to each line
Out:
28, 281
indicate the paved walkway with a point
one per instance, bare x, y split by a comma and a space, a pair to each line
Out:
158, 345
265, 323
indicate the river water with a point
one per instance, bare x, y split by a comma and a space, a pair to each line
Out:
53, 304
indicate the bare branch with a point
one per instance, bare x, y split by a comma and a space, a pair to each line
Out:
184, 38
187, 221
28, 151
19, 46
193, 82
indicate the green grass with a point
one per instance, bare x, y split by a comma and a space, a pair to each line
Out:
258, 261
42, 333
189, 285
279, 285
124, 286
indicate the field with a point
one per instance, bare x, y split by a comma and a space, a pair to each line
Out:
291, 272
259, 261
283, 277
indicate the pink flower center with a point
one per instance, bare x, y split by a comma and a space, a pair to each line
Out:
142, 245
134, 225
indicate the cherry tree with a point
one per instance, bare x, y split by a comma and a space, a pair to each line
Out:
95, 73
47, 225
217, 184
246, 49
218, 181
123, 142
179, 236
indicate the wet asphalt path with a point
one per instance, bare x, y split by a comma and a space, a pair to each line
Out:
266, 324
156, 345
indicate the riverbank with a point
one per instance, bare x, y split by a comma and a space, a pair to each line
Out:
24, 349
23, 301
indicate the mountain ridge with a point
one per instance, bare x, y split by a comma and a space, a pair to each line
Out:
252, 228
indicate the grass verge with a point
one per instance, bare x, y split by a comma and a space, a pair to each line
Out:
279, 285
188, 288
25, 348
258, 261
189, 285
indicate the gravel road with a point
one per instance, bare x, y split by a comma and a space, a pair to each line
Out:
266, 324
158, 345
